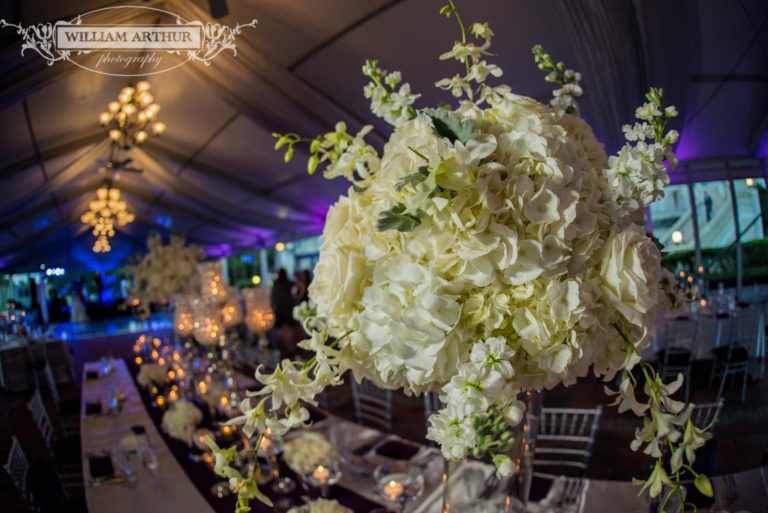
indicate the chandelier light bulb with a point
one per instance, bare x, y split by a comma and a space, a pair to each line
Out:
129, 109
113, 107
127, 91
158, 127
141, 136
114, 134
146, 99
143, 86
104, 118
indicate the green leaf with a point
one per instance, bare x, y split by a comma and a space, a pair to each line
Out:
396, 218
704, 485
449, 125
413, 179
288, 154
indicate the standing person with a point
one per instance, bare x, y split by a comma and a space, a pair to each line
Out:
79, 311
300, 288
708, 206
282, 299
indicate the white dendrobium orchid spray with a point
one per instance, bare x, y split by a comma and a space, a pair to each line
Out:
492, 247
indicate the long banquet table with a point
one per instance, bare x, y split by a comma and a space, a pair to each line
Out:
168, 489
181, 484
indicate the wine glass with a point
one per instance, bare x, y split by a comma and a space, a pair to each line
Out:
270, 447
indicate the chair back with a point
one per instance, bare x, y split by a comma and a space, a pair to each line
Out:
680, 343
566, 437
744, 328
706, 415
52, 386
42, 420
432, 404
373, 405
60, 360
17, 466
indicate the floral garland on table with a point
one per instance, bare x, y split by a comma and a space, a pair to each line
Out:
321, 506
165, 270
152, 374
306, 451
493, 247
181, 419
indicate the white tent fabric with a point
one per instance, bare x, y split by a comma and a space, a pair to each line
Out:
214, 177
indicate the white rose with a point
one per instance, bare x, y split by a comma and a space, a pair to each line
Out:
630, 273
339, 278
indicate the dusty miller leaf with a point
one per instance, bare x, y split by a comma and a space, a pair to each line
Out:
449, 125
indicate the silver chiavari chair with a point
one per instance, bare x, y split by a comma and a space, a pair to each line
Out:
42, 420
676, 357
373, 405
17, 467
432, 404
706, 415
68, 466
732, 358
565, 439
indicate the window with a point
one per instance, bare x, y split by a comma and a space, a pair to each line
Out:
751, 202
715, 213
672, 219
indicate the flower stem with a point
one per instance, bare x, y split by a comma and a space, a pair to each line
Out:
455, 13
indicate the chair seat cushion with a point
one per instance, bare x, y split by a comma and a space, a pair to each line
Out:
676, 357
738, 354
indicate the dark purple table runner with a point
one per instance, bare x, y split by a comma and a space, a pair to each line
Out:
204, 478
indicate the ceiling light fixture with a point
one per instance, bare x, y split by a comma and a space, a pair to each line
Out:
132, 119
104, 213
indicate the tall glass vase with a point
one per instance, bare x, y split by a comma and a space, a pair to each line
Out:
469, 485
522, 454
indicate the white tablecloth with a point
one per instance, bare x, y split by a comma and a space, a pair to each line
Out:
711, 335
169, 490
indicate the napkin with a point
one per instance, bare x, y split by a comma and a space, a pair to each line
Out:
93, 408
101, 466
397, 450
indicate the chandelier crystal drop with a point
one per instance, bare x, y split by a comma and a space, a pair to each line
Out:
132, 119
104, 213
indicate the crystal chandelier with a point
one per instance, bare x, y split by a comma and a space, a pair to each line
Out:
133, 117
105, 213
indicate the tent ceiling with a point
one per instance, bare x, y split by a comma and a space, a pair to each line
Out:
214, 177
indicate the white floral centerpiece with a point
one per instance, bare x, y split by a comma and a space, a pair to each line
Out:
152, 374
306, 451
181, 420
492, 247
166, 270
321, 506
